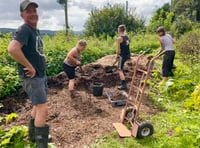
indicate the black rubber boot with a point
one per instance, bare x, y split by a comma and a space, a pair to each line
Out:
41, 136
123, 85
31, 130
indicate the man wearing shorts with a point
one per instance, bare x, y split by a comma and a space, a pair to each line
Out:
70, 63
166, 43
123, 53
27, 50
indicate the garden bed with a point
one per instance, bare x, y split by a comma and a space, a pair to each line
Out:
77, 123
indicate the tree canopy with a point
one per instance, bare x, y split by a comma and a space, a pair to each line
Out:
179, 18
106, 20
162, 17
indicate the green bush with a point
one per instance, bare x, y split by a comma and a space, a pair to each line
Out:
189, 46
9, 81
14, 137
143, 41
182, 25
193, 103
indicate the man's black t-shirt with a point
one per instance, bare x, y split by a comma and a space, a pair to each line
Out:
32, 49
124, 46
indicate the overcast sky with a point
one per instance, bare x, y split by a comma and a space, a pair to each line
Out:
51, 14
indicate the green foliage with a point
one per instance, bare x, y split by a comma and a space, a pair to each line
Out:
162, 17
177, 89
4, 58
15, 137
193, 103
142, 42
181, 25
189, 46
179, 20
10, 117
185, 15
106, 20
187, 8
9, 81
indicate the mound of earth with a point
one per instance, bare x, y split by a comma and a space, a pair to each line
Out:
75, 123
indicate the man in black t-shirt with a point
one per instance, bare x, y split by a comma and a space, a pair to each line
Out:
27, 50
123, 53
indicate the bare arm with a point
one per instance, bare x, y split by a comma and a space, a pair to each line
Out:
71, 56
162, 46
15, 50
173, 41
118, 51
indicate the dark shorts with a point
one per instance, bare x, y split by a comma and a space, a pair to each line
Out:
69, 70
36, 88
168, 63
122, 61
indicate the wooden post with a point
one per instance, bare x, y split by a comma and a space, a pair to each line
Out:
126, 7
66, 17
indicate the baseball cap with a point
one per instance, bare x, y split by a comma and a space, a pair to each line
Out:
25, 3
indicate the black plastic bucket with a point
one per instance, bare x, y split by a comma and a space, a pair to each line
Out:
97, 89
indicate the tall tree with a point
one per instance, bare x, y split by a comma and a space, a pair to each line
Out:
64, 4
186, 8
106, 20
162, 17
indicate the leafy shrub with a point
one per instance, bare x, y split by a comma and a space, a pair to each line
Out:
9, 81
14, 137
141, 42
193, 103
5, 59
106, 20
177, 89
189, 47
182, 25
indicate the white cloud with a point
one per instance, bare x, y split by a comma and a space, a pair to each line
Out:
52, 14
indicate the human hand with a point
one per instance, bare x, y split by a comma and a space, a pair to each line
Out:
30, 71
78, 63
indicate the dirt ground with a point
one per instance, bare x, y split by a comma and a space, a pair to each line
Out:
75, 123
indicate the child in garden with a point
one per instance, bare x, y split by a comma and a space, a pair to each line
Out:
166, 42
70, 63
123, 53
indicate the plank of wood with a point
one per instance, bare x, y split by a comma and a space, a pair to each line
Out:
122, 130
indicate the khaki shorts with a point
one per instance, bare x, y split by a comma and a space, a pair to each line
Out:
36, 88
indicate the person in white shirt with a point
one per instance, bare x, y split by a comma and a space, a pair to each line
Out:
166, 42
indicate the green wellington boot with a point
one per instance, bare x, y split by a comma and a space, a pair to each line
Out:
31, 130
41, 136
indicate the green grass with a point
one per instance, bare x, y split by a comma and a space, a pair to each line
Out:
176, 127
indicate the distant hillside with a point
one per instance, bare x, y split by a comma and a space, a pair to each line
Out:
42, 32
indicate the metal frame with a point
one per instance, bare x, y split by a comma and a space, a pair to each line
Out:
138, 88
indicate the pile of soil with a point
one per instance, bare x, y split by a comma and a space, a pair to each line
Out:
75, 123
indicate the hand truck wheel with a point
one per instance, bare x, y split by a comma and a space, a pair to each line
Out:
144, 129
130, 114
